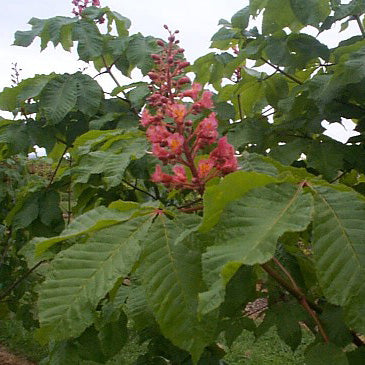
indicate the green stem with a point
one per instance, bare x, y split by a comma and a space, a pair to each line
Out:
57, 167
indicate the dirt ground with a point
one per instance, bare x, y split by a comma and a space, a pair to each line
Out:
6, 358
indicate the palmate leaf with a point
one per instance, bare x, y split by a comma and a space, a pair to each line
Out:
339, 251
59, 97
89, 94
107, 153
11, 97
232, 187
81, 275
89, 222
172, 278
90, 44
247, 233
139, 51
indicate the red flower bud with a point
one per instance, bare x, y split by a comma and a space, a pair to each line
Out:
184, 64
153, 75
160, 43
184, 80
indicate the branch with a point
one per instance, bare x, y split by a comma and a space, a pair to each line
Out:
310, 307
17, 282
277, 68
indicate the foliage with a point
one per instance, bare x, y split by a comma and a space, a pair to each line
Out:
99, 245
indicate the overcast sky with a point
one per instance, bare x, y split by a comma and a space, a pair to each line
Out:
196, 20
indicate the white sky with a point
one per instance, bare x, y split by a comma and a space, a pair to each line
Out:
196, 20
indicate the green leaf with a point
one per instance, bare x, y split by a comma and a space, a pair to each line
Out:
11, 97
90, 44
137, 308
139, 52
89, 94
278, 14
231, 187
311, 12
241, 18
286, 317
247, 233
172, 278
57, 27
86, 224
338, 247
111, 157
321, 354
59, 97
81, 275
122, 23
137, 95
356, 357
113, 336
25, 38
326, 158
334, 325
239, 291
8, 98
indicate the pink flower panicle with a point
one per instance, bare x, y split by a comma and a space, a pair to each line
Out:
174, 138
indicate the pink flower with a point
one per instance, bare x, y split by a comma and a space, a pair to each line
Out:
160, 152
178, 112
157, 133
146, 118
206, 131
175, 142
96, 3
204, 168
223, 157
193, 92
205, 102
180, 175
159, 177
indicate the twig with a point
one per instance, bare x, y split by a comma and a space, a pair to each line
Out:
57, 167
277, 68
17, 282
338, 177
108, 70
240, 107
190, 204
100, 73
360, 25
192, 209
141, 190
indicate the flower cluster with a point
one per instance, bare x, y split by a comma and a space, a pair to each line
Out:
80, 6
177, 140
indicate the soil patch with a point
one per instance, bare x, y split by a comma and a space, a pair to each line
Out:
6, 358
